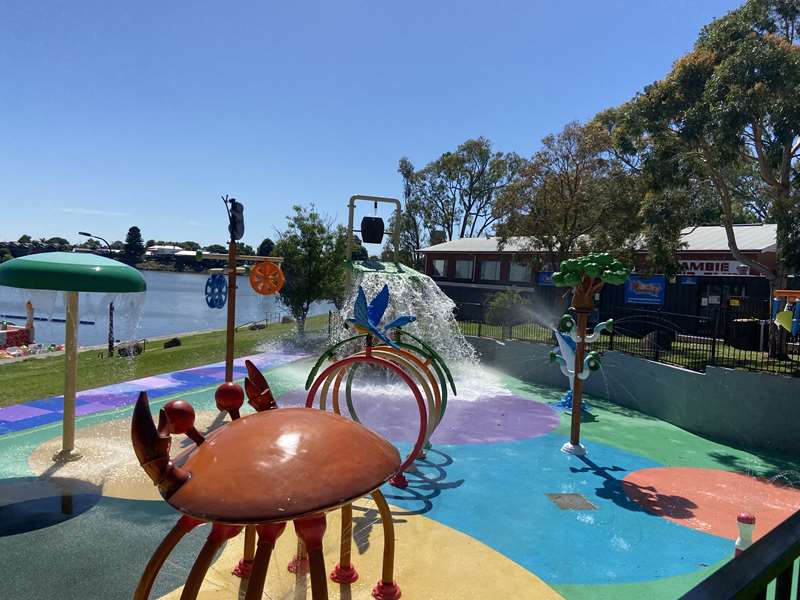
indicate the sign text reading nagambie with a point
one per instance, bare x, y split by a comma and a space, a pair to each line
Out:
719, 268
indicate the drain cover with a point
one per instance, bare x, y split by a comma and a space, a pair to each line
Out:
571, 502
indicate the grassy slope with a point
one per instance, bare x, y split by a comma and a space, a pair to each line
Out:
37, 378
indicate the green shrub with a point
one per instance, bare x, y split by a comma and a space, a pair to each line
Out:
507, 308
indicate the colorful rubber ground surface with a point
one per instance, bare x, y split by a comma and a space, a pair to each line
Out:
494, 510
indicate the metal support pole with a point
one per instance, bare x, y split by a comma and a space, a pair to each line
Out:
70, 379
577, 391
110, 330
351, 207
231, 311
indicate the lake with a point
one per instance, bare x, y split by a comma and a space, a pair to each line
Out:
173, 303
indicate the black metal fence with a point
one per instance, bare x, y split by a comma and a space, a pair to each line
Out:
732, 338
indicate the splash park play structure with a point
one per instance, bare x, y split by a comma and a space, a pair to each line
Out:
389, 462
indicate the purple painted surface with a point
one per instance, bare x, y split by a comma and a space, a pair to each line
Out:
18, 412
37, 412
488, 420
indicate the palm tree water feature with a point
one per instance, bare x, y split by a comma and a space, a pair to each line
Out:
586, 275
71, 273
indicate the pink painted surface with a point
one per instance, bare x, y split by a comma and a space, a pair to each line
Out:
710, 500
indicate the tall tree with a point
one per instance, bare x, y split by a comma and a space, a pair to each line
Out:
133, 249
728, 114
313, 254
24, 239
413, 232
572, 196
359, 252
265, 247
91, 244
457, 192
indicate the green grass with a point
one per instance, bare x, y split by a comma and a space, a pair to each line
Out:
37, 378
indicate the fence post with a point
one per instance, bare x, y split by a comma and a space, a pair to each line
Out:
657, 345
479, 329
714, 333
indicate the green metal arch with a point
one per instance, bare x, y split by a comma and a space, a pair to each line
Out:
435, 355
328, 353
348, 390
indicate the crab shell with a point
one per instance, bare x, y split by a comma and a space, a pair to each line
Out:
265, 467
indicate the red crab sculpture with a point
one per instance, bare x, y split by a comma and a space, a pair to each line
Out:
306, 463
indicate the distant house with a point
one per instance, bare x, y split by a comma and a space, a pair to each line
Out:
470, 270
162, 251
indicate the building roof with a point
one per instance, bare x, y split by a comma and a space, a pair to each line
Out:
757, 237
471, 245
705, 238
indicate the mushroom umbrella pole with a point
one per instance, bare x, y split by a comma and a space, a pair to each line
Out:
586, 276
71, 273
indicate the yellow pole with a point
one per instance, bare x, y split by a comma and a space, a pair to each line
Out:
70, 379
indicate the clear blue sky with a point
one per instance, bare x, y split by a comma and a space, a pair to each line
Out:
143, 113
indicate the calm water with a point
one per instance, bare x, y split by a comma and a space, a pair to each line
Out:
174, 303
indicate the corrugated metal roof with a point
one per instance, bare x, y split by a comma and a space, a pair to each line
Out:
759, 237
470, 245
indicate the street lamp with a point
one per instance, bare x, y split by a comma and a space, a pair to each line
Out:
111, 304
89, 235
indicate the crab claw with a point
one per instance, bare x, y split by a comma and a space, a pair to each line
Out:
257, 389
255, 375
152, 450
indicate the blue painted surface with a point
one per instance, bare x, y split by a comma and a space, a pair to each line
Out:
496, 493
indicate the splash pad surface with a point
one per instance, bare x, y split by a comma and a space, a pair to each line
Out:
494, 510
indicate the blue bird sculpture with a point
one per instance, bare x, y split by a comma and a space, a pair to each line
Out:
367, 317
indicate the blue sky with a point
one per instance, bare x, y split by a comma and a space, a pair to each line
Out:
119, 113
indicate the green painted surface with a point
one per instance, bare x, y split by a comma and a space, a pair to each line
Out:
660, 441
71, 272
663, 589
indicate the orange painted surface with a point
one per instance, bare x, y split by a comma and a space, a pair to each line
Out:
709, 500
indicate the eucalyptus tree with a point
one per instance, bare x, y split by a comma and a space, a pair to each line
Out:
457, 192
572, 196
728, 114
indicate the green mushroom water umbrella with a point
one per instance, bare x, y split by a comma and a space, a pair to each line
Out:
71, 273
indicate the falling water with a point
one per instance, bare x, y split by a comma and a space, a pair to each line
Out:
412, 293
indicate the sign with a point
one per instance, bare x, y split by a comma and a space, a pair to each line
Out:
688, 280
645, 290
715, 268
545, 279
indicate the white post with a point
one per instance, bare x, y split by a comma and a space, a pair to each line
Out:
746, 522
70, 379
